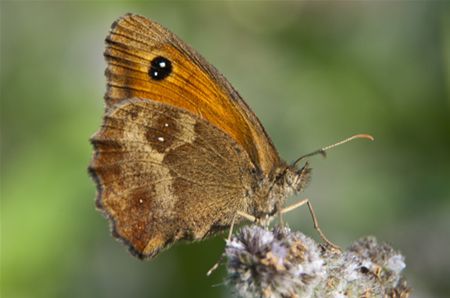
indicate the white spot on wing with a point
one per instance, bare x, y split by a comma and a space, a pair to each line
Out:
161, 139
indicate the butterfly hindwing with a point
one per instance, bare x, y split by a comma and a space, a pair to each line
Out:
164, 174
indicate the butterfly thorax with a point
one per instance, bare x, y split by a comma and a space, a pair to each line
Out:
273, 191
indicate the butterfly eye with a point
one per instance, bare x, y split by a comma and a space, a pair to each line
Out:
160, 68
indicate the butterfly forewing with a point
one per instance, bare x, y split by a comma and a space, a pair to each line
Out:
193, 84
164, 174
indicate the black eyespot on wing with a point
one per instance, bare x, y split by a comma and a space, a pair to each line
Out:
160, 68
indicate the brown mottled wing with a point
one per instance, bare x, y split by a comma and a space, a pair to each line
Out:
164, 174
193, 85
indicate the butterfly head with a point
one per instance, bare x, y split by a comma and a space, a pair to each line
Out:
288, 181
298, 177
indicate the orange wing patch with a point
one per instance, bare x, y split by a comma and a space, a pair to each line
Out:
193, 84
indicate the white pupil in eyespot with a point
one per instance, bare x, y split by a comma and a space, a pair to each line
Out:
162, 64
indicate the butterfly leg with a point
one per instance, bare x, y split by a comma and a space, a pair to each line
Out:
314, 218
280, 215
246, 216
230, 233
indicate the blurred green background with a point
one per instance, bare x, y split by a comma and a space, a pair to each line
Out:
314, 73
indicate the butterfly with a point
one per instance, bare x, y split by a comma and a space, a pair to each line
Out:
179, 152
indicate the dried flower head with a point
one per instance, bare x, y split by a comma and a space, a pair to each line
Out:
281, 263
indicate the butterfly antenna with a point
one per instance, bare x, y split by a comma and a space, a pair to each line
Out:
324, 149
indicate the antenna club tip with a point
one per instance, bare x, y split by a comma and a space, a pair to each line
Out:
365, 136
